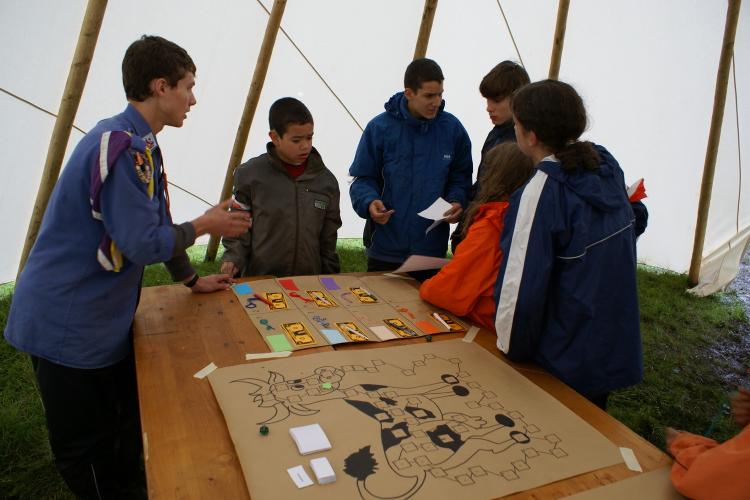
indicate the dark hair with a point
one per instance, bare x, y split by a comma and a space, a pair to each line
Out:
286, 111
422, 70
506, 169
153, 57
503, 80
554, 111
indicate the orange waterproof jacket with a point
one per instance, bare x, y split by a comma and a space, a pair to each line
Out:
704, 468
466, 285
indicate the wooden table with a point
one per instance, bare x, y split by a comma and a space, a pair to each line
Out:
188, 451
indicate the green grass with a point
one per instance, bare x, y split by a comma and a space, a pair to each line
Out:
695, 351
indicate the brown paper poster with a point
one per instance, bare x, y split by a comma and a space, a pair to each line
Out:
391, 289
432, 420
379, 308
349, 291
287, 330
339, 325
429, 318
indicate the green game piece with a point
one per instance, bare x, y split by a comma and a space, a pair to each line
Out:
264, 430
278, 343
428, 338
327, 386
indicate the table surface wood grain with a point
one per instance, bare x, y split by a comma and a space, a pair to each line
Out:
187, 448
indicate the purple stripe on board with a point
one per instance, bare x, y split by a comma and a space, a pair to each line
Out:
330, 283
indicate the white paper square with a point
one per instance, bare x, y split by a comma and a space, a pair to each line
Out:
323, 471
310, 439
382, 332
299, 476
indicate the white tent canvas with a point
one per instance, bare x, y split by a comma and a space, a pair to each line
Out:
645, 70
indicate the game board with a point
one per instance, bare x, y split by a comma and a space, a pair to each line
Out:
309, 311
433, 420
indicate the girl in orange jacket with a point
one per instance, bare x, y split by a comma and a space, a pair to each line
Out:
465, 286
705, 469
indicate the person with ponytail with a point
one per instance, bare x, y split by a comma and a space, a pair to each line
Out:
465, 286
566, 291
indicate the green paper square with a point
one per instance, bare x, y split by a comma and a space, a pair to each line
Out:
278, 343
327, 386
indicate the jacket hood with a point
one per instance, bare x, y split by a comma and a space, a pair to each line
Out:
397, 107
601, 188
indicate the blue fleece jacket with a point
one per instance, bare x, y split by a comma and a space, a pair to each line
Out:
566, 291
408, 163
66, 307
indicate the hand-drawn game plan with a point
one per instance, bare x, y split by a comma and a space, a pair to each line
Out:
433, 420
312, 311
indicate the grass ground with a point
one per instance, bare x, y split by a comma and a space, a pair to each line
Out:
696, 350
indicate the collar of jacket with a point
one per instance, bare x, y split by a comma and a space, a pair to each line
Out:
397, 106
314, 166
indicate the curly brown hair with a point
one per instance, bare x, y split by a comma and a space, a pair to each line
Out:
506, 169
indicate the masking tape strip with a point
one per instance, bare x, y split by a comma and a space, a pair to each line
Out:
205, 371
469, 337
264, 355
630, 460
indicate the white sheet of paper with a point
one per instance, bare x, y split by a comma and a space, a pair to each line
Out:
436, 210
383, 332
310, 439
421, 263
299, 476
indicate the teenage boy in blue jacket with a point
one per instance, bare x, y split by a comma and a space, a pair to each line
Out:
407, 157
75, 300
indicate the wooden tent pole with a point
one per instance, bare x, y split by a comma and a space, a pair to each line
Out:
79, 70
428, 15
248, 113
557, 42
714, 136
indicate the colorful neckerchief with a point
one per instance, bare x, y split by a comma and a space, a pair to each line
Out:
111, 146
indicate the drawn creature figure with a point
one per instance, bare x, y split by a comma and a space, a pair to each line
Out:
421, 433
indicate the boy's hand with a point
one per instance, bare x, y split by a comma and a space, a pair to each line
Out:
741, 406
229, 268
378, 212
218, 221
454, 214
212, 283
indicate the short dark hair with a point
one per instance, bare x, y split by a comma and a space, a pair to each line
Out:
422, 70
503, 80
153, 57
286, 111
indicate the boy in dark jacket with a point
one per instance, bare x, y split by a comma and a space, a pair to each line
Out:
293, 199
496, 87
407, 157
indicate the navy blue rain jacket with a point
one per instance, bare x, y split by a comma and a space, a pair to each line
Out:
408, 163
566, 291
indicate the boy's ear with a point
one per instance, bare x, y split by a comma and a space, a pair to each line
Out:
409, 93
275, 139
158, 86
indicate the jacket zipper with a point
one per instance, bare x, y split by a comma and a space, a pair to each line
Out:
296, 229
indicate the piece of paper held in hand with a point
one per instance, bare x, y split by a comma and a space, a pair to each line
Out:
421, 263
435, 212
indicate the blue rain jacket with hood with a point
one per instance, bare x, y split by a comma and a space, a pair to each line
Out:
408, 163
566, 292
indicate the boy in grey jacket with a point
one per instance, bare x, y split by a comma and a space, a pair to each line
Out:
293, 199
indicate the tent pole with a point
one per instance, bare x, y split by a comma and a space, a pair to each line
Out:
714, 136
428, 15
248, 113
79, 70
557, 42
